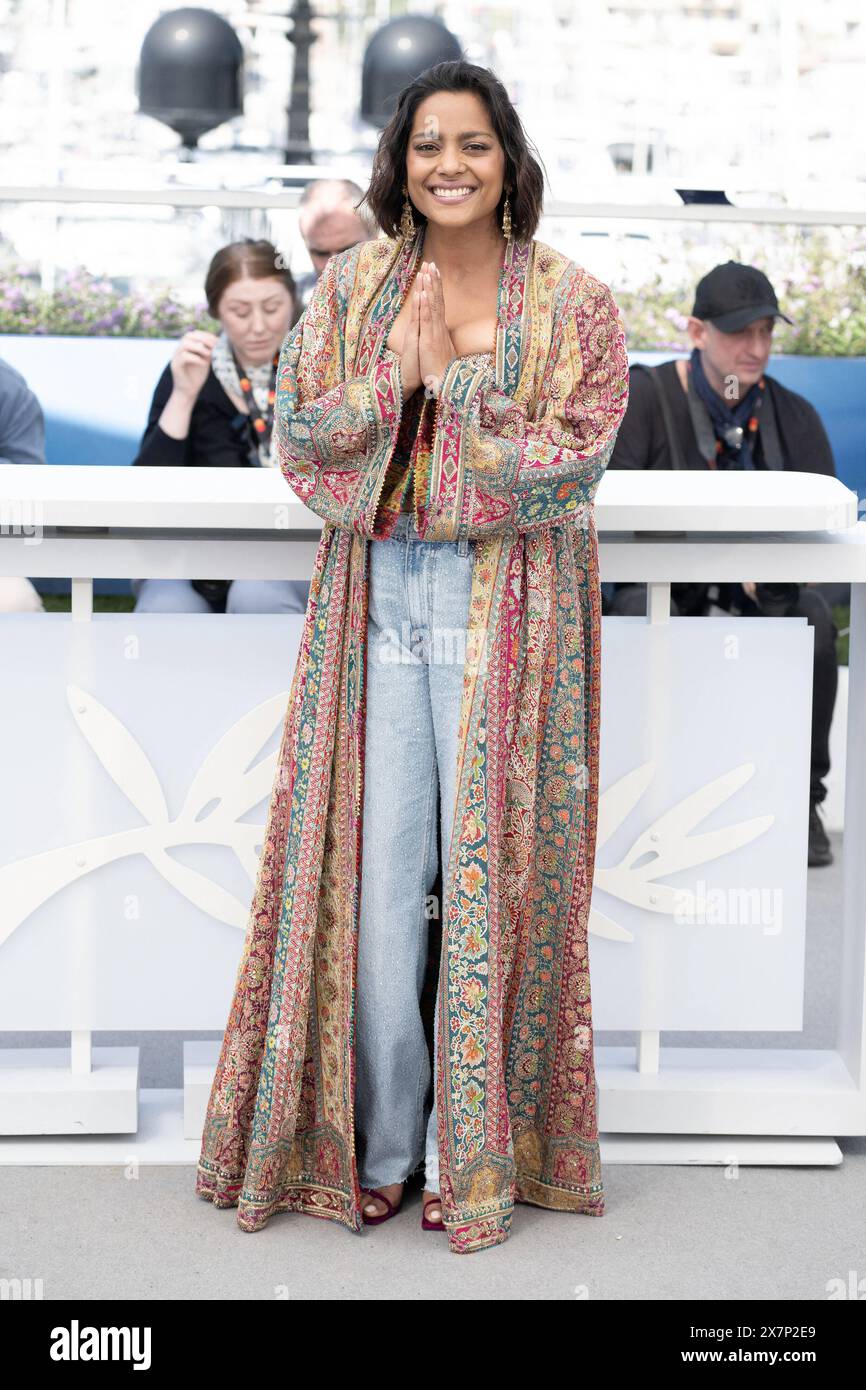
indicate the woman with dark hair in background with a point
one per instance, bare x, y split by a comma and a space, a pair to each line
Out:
448, 405
213, 408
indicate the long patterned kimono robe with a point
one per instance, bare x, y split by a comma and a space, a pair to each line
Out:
510, 457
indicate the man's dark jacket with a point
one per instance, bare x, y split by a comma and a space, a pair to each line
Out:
642, 442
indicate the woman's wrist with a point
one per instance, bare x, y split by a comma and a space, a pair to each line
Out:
177, 413
435, 382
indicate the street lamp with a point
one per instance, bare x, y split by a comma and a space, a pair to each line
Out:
396, 54
189, 73
298, 150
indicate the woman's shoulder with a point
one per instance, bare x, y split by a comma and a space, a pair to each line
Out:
377, 251
569, 286
363, 259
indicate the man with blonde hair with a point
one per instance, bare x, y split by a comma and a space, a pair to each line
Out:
330, 222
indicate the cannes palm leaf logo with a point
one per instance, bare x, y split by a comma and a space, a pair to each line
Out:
226, 786
665, 846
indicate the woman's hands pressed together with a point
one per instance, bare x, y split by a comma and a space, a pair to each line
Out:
435, 348
427, 347
410, 370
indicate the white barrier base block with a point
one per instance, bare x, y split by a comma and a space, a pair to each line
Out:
161, 1140
719, 1150
199, 1065
170, 1121
41, 1095
787, 1093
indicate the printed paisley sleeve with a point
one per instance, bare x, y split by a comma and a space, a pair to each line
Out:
332, 435
492, 468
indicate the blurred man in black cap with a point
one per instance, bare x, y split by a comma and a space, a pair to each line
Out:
720, 409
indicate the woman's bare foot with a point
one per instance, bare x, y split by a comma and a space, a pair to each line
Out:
374, 1206
431, 1205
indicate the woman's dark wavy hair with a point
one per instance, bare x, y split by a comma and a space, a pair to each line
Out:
523, 168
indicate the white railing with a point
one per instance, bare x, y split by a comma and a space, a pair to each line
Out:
220, 196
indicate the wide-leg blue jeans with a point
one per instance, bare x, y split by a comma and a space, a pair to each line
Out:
417, 632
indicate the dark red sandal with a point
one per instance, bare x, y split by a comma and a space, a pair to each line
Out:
431, 1225
383, 1216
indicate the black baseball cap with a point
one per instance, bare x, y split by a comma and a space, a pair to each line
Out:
732, 295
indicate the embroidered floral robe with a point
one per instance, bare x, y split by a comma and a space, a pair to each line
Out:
509, 457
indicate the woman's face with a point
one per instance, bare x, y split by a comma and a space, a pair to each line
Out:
256, 315
453, 146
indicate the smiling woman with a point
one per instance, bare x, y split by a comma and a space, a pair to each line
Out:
454, 137
490, 379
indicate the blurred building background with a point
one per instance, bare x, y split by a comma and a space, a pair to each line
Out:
768, 91
626, 100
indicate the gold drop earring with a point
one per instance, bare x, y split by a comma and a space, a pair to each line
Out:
506, 219
407, 221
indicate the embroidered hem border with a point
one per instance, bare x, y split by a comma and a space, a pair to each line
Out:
466, 1235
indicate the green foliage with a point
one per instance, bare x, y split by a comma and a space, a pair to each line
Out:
102, 603
842, 619
819, 276
84, 305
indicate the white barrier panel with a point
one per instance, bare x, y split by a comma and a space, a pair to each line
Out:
699, 903
128, 873
135, 792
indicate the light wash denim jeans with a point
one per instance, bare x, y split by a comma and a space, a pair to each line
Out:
244, 596
417, 621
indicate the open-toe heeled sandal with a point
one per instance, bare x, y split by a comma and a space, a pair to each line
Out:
385, 1215
432, 1225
